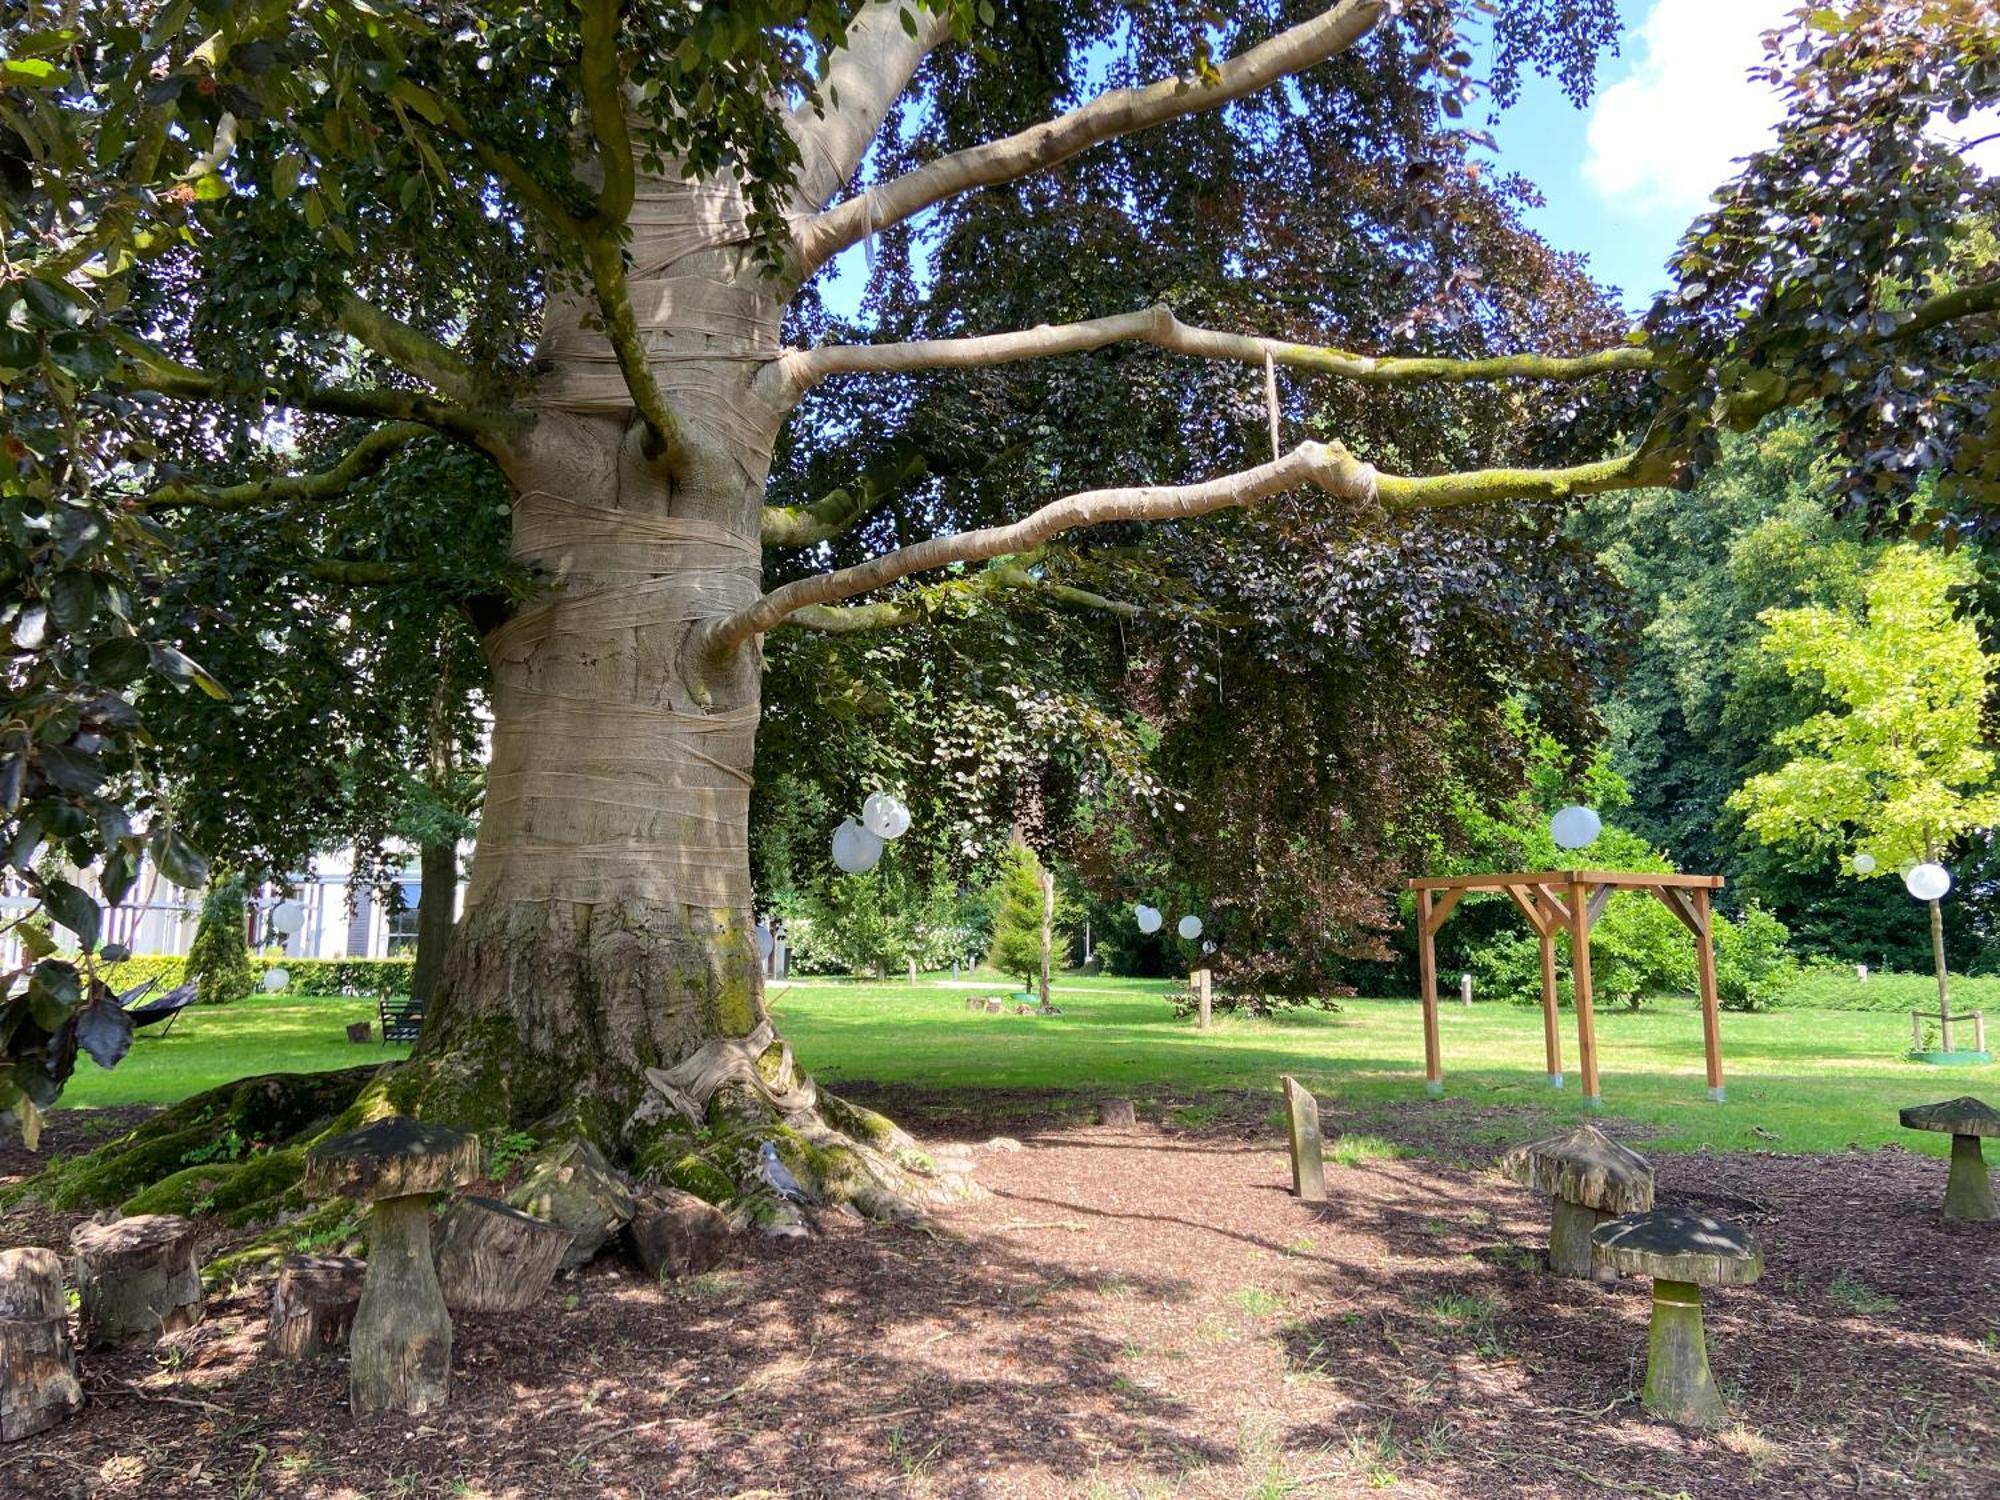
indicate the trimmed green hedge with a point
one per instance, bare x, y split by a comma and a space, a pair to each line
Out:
363, 977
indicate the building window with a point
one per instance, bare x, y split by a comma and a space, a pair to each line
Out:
403, 919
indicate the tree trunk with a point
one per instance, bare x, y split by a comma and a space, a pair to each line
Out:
1048, 882
1943, 978
437, 894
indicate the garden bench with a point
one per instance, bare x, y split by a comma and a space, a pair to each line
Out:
400, 1023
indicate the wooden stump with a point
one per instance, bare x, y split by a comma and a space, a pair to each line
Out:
38, 1380
1679, 1386
313, 1305
493, 1258
994, 1005
360, 1031
136, 1278
401, 1346
1118, 1113
1968, 1190
1570, 1228
571, 1186
1308, 1168
677, 1234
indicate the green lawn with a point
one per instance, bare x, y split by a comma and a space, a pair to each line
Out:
212, 1044
1810, 1080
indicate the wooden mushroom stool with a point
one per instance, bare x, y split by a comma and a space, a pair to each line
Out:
1683, 1252
1968, 1191
135, 1278
38, 1380
401, 1344
1589, 1178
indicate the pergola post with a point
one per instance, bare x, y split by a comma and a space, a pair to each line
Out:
1427, 985
1552, 1042
1711, 1006
1579, 969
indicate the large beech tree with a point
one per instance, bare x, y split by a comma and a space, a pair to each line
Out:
255, 251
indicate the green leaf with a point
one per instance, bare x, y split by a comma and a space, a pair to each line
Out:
31, 72
72, 907
178, 860
285, 174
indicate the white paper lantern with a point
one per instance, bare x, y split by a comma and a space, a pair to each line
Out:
1864, 864
898, 821
765, 942
1928, 882
1190, 927
855, 849
1574, 826
1148, 917
884, 815
288, 918
276, 979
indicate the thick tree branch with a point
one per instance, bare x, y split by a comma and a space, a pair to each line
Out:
1009, 575
837, 511
366, 457
1333, 469
150, 370
666, 443
1947, 307
361, 574
409, 349
802, 369
604, 97
1121, 112
864, 77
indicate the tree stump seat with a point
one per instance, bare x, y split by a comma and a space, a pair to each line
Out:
1117, 1113
38, 1379
1968, 1190
674, 1233
401, 1343
313, 1304
1683, 1252
1590, 1179
571, 1185
136, 1278
491, 1257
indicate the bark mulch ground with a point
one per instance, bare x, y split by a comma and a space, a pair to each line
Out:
1144, 1312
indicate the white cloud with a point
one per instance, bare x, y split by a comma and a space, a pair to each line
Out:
1662, 139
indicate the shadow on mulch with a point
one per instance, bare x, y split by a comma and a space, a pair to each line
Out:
1134, 1312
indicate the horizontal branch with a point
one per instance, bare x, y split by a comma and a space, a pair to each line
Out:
838, 511
148, 369
361, 574
366, 457
409, 349
1120, 112
888, 614
1330, 468
802, 369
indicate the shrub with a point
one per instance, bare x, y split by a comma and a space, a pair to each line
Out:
1754, 967
219, 958
366, 978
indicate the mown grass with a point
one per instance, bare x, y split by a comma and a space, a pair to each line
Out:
213, 1044
1798, 1080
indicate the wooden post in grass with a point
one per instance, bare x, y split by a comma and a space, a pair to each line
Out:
1465, 989
1579, 973
1204, 997
1711, 1007
1427, 987
1302, 1121
1552, 1042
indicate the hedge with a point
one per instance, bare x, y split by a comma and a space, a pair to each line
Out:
364, 977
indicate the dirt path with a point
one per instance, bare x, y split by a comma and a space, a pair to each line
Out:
1138, 1313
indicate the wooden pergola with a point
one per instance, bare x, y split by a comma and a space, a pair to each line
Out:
1555, 901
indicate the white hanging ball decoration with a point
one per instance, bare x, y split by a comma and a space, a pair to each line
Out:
1864, 864
1190, 927
276, 979
855, 849
876, 813
1928, 882
288, 918
1574, 826
1148, 917
765, 942
897, 821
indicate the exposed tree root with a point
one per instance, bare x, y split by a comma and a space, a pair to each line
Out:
238, 1152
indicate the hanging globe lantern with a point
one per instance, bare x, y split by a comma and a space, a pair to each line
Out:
1928, 882
276, 979
1190, 927
288, 918
884, 815
765, 942
1574, 826
855, 849
1148, 917
1864, 863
